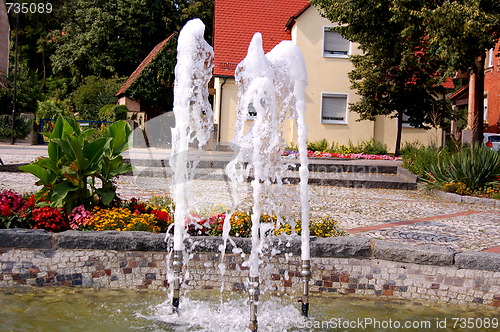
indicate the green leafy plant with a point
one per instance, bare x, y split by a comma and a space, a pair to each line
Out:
475, 167
69, 174
320, 145
373, 146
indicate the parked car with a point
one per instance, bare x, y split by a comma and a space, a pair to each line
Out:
492, 141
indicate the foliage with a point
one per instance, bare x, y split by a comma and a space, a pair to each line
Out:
69, 174
370, 147
373, 147
320, 145
398, 74
418, 158
93, 94
475, 167
51, 109
29, 90
22, 128
154, 86
112, 112
109, 38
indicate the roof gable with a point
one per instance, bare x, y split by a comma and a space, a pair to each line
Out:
147, 60
237, 21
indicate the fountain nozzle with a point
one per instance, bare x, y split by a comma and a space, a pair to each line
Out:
253, 292
305, 273
177, 266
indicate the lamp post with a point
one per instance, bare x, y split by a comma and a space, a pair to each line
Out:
14, 102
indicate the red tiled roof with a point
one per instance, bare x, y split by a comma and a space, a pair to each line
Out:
457, 94
147, 60
237, 21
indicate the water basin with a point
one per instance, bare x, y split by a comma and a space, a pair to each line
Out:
85, 309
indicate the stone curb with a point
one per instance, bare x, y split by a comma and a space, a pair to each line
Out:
478, 261
339, 247
455, 198
397, 252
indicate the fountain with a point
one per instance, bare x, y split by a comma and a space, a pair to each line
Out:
271, 87
194, 122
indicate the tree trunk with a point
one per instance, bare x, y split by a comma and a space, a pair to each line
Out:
398, 136
478, 111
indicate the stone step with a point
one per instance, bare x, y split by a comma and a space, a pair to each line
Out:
315, 165
342, 179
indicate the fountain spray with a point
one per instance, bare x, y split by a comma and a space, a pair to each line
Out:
194, 123
291, 78
270, 86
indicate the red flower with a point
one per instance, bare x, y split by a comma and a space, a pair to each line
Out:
49, 219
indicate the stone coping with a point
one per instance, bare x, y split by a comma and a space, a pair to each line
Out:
338, 247
456, 198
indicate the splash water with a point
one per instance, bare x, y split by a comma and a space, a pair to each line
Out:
194, 123
271, 88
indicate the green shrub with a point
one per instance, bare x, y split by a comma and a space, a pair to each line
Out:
417, 158
113, 112
22, 128
373, 146
51, 109
320, 145
476, 167
345, 149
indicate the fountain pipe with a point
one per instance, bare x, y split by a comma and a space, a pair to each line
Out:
177, 266
306, 276
253, 292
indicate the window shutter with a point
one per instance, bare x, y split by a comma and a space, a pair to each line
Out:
335, 44
334, 108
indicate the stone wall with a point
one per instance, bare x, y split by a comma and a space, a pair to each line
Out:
346, 265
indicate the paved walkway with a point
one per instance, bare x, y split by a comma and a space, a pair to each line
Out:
410, 217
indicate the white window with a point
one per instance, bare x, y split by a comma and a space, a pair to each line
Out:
406, 122
334, 108
334, 45
490, 57
485, 116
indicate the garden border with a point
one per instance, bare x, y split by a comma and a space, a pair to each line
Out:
456, 198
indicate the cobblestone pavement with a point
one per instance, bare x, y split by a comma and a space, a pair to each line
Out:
411, 217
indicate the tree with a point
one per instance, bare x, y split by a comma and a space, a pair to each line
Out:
109, 38
93, 94
396, 76
459, 33
427, 39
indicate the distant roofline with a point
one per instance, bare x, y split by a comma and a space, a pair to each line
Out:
147, 60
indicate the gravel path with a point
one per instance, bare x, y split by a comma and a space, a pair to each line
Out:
351, 207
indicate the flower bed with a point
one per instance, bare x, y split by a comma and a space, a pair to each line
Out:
155, 215
322, 154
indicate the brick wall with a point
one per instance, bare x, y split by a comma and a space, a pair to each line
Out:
492, 91
339, 266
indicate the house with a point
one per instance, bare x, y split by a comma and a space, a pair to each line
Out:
492, 90
463, 97
4, 43
327, 57
145, 112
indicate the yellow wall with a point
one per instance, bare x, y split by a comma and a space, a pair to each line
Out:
326, 75
386, 130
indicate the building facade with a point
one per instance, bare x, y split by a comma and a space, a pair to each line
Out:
327, 58
492, 90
